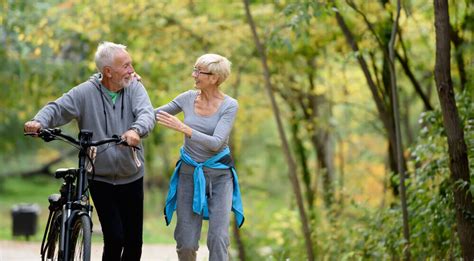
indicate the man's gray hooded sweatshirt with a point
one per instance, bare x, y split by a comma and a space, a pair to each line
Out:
92, 107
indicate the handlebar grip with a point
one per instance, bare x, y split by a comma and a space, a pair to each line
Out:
45, 134
124, 142
49, 134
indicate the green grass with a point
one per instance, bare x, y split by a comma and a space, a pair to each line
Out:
35, 190
154, 226
260, 206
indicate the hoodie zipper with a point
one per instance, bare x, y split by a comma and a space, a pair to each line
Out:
111, 121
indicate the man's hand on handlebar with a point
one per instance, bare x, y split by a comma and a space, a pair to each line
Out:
32, 127
131, 137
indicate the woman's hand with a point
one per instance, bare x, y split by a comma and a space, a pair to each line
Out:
136, 75
172, 122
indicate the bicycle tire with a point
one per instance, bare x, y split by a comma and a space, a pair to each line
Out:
80, 244
52, 245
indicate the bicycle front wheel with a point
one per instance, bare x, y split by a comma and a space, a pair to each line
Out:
81, 239
52, 245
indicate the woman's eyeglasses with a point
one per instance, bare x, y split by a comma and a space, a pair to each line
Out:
197, 72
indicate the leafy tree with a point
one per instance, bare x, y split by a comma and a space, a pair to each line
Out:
458, 159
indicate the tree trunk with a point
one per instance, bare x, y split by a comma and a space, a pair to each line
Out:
239, 242
281, 131
399, 144
457, 149
341, 160
407, 102
320, 109
324, 170
383, 110
235, 229
458, 42
297, 97
403, 60
416, 84
302, 157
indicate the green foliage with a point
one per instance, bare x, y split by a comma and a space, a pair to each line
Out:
364, 233
47, 47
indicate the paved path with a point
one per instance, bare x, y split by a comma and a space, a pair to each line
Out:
29, 251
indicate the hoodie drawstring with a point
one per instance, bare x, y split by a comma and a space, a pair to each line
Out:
123, 96
103, 107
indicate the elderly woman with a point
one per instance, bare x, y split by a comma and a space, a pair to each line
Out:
204, 184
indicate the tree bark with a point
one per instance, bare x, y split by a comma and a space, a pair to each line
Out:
399, 144
235, 228
403, 60
458, 41
457, 149
383, 110
416, 84
321, 136
281, 131
293, 97
302, 156
341, 173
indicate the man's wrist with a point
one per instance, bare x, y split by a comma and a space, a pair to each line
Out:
135, 130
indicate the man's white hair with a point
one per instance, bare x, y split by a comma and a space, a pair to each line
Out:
105, 54
216, 64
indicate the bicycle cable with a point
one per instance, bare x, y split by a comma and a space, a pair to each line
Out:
68, 142
93, 173
109, 145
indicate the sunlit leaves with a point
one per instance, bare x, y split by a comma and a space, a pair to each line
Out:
47, 48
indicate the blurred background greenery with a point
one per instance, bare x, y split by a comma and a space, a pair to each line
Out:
337, 134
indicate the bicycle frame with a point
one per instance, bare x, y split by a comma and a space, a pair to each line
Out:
73, 204
74, 200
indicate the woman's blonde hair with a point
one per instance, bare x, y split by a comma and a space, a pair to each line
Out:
215, 64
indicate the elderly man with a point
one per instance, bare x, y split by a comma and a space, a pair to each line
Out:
110, 102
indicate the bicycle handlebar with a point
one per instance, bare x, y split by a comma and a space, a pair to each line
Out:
50, 134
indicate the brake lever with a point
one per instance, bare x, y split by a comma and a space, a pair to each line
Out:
48, 134
124, 142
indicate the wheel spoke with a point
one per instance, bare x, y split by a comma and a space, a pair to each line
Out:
81, 239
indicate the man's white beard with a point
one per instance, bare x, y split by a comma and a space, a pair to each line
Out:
124, 83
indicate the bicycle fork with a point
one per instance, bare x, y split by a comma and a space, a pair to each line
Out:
70, 214
64, 232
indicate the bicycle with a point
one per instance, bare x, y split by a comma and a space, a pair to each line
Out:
68, 231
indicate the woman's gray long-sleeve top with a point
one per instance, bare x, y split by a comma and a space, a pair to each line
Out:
210, 134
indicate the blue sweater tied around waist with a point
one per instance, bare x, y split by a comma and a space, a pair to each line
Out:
199, 197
